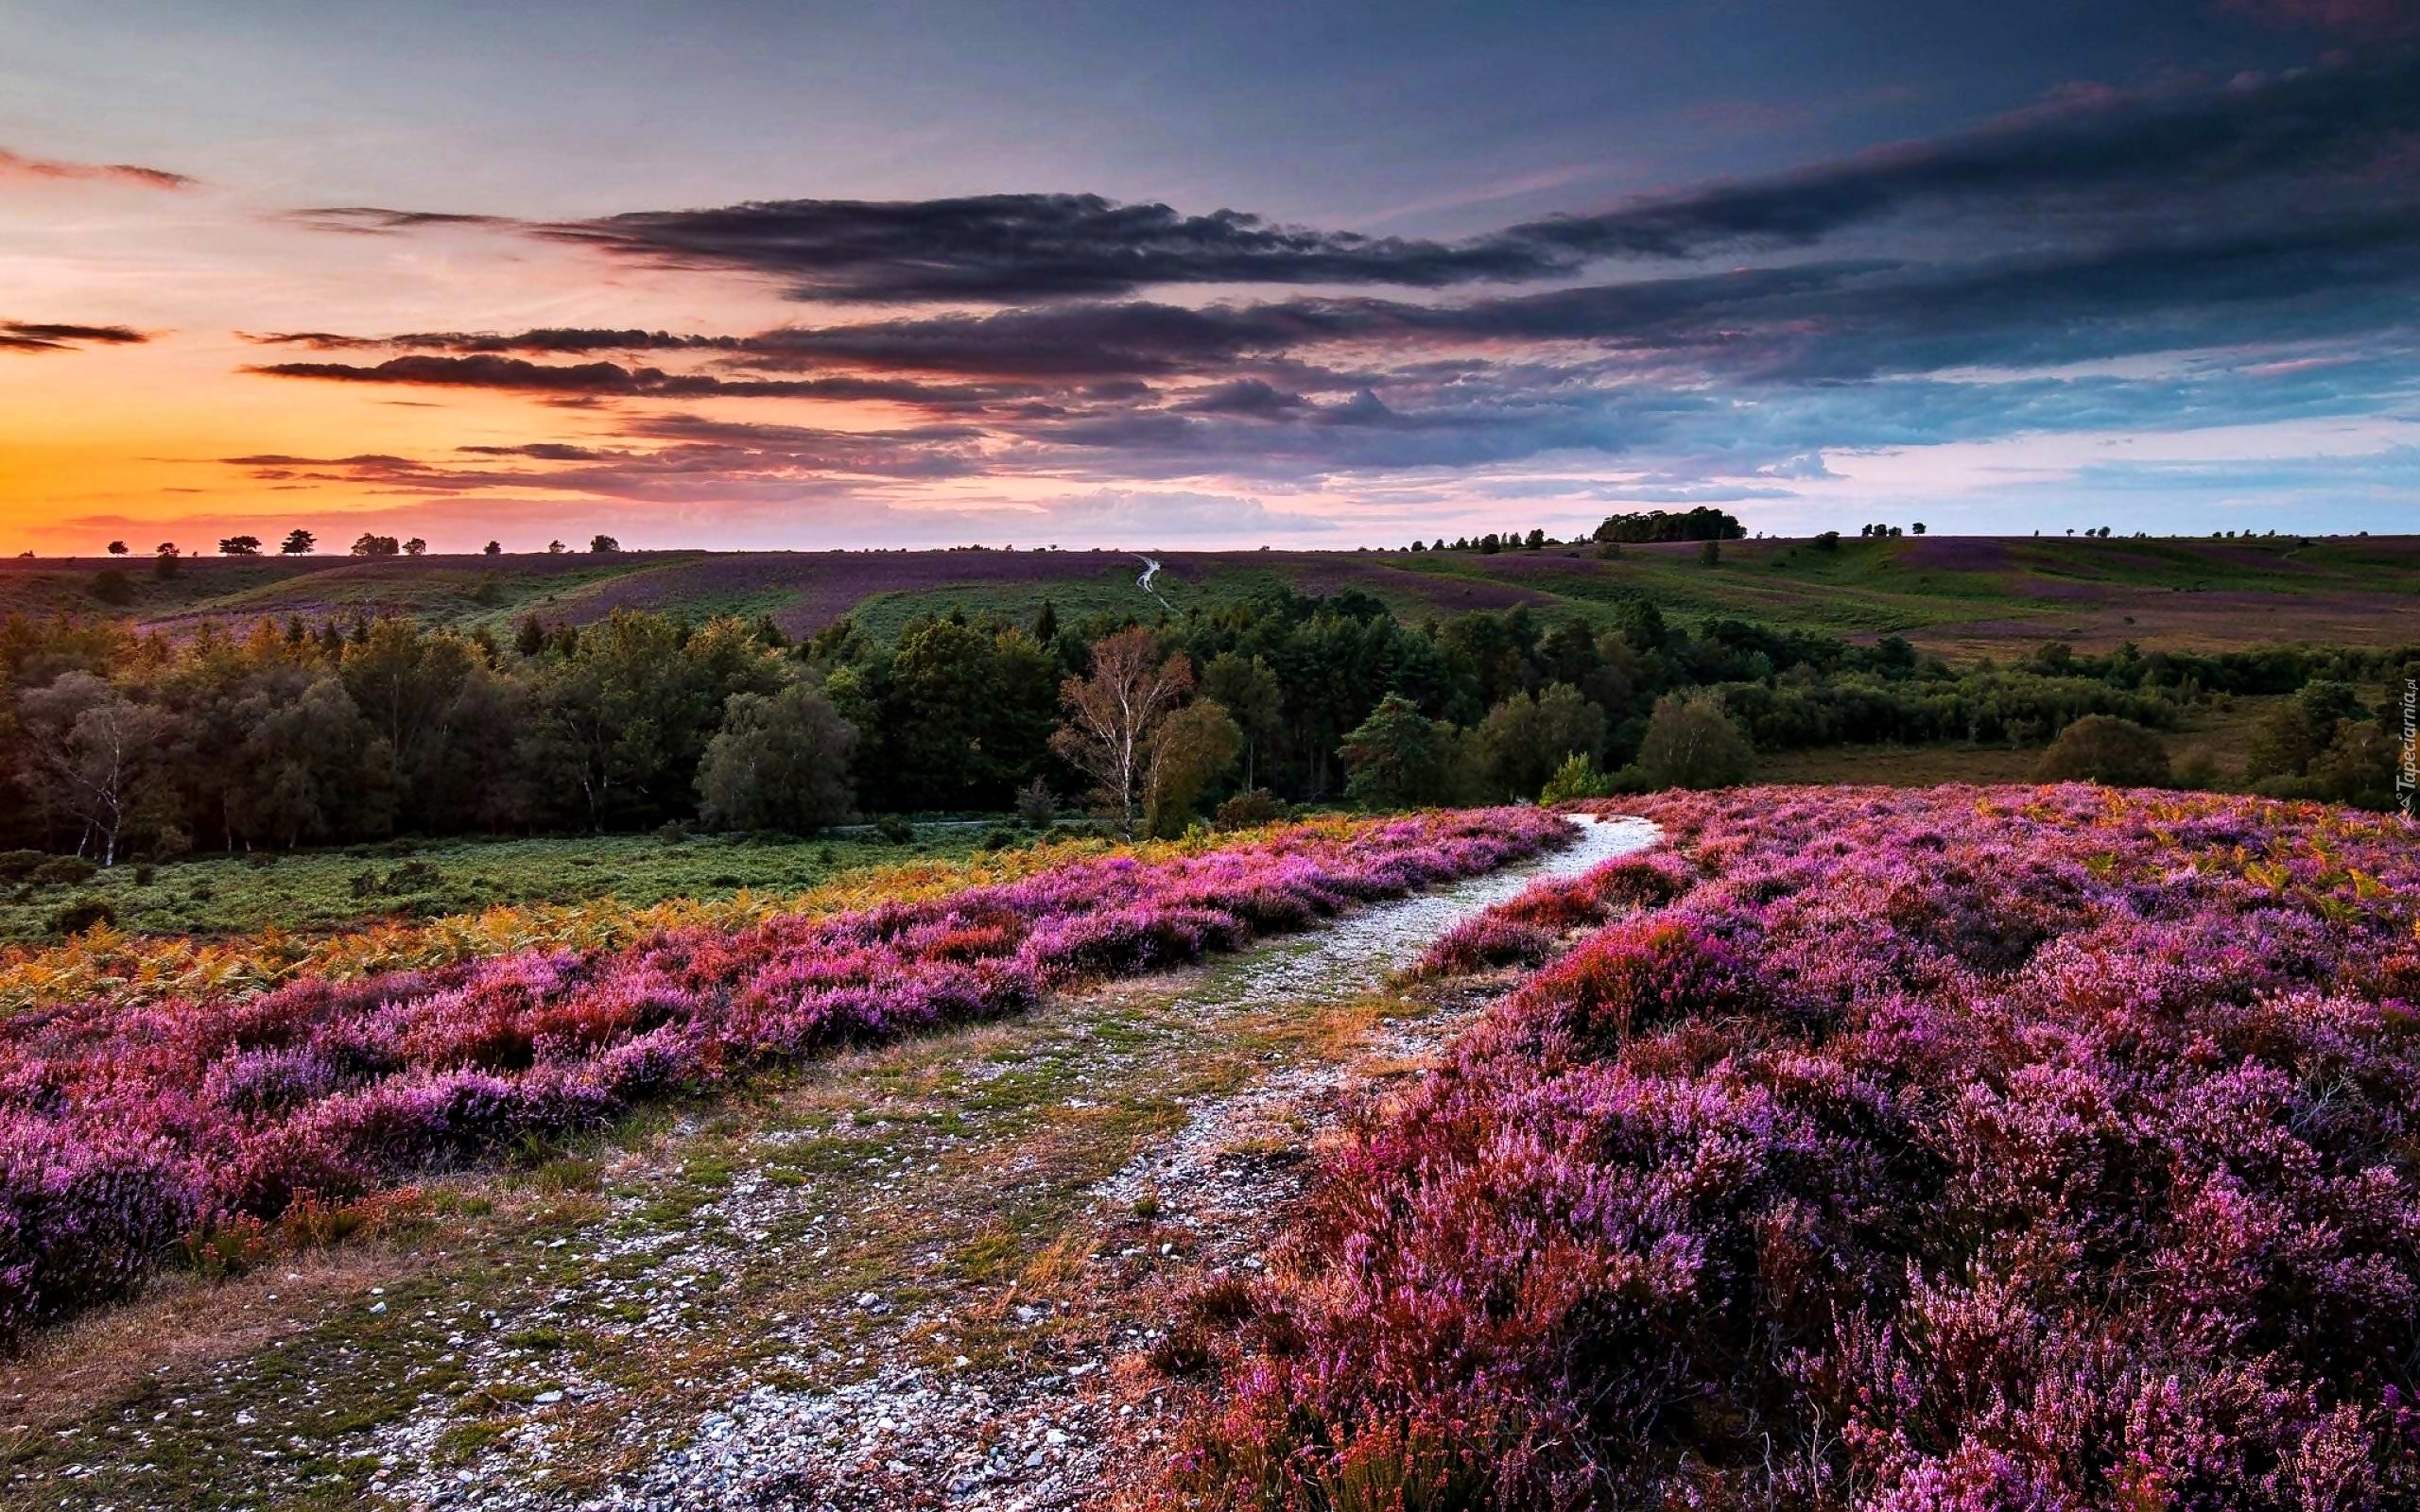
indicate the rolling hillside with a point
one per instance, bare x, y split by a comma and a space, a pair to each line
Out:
1949, 593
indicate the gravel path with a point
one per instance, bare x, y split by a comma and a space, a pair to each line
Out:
916, 1389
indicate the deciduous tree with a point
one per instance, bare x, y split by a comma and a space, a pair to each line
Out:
780, 761
1526, 738
94, 756
1112, 715
1193, 748
1692, 743
1247, 688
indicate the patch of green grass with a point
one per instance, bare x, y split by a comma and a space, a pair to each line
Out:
885, 615
315, 890
2220, 734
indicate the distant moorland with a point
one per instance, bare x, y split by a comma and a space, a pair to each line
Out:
1948, 594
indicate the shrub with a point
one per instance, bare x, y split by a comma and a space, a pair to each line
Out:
1969, 1148
1249, 809
129, 1125
894, 828
1036, 804
1488, 940
2197, 772
81, 915
2101, 748
1691, 741
82, 1217
64, 871
1577, 778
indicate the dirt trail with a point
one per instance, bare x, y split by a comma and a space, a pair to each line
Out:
1151, 570
922, 1276
1027, 1437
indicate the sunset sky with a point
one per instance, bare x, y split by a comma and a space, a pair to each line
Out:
793, 275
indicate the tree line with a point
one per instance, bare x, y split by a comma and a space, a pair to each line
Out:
113, 742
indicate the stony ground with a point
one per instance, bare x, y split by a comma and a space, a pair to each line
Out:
928, 1275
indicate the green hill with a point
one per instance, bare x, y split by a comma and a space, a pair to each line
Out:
1944, 593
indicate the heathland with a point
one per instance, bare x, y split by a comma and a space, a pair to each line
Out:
1335, 1033
1948, 594
1824, 1147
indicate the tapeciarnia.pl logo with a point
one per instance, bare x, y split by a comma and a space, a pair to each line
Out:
2407, 771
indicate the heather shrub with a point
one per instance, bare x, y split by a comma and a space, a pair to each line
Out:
1488, 940
2019, 1148
131, 1127
82, 1216
1633, 976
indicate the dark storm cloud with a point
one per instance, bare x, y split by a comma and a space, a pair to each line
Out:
1080, 342
2345, 278
374, 221
1957, 289
1828, 319
1062, 342
696, 459
1806, 321
1753, 367
1018, 248
678, 425
32, 335
2320, 134
607, 380
2093, 163
1245, 396
17, 165
554, 340
541, 451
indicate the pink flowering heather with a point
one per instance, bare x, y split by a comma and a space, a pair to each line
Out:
1970, 1148
1529, 928
121, 1128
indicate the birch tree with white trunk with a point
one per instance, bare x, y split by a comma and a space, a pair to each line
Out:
1112, 714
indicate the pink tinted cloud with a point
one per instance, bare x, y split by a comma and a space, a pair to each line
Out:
17, 166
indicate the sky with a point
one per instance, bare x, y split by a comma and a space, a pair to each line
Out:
776, 276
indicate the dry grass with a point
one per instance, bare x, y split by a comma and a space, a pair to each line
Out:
181, 1326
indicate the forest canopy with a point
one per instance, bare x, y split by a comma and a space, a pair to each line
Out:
116, 743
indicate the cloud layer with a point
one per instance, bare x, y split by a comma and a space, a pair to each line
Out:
31, 336
2199, 254
17, 166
